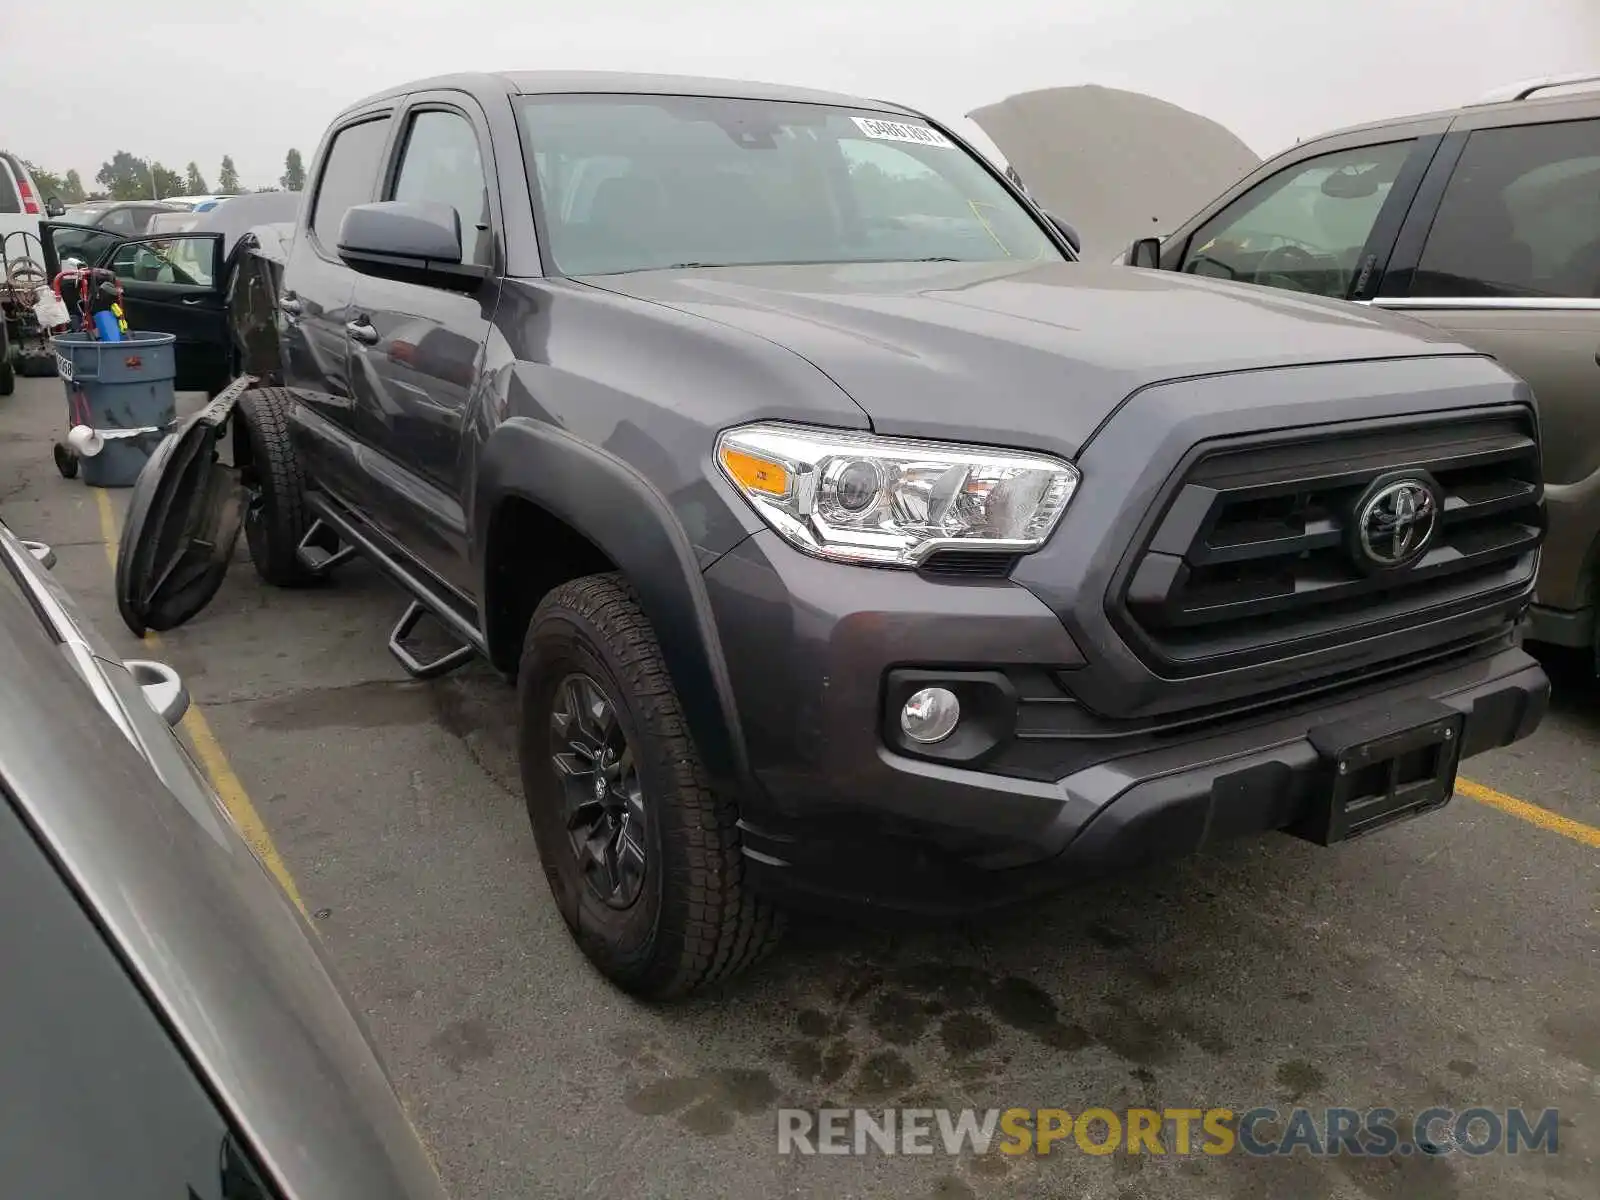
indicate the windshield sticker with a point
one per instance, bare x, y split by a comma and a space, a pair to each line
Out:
899, 131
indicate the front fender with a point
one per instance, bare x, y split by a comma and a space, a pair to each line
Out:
624, 515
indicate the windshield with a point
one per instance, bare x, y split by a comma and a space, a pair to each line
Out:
632, 183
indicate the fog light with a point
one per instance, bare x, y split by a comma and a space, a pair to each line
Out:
930, 715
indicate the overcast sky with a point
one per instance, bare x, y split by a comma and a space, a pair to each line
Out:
176, 80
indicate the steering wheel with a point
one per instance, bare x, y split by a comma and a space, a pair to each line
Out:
1291, 256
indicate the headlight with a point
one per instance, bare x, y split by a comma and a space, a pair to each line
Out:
894, 501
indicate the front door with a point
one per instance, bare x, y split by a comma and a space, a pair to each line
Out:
172, 283
417, 351
1510, 261
169, 283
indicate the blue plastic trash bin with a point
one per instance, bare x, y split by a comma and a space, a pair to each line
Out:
126, 388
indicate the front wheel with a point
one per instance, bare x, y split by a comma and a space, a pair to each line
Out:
641, 854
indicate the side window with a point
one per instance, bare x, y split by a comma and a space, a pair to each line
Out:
1519, 217
185, 259
1305, 227
349, 173
99, 1100
441, 163
84, 244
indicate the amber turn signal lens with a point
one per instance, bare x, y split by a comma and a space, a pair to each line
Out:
755, 473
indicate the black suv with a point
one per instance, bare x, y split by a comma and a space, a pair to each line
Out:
848, 539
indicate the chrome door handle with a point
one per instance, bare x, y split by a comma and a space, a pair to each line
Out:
191, 301
362, 331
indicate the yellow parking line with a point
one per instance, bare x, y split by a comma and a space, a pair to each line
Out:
1554, 822
209, 751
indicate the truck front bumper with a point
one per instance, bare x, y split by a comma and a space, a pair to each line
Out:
840, 815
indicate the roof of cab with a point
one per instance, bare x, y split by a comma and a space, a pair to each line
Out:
532, 83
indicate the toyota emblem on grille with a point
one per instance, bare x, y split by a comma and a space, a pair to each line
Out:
1395, 522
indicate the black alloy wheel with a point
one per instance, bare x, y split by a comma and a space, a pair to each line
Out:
604, 815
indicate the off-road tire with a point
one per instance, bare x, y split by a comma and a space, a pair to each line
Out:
36, 366
8, 373
276, 520
697, 919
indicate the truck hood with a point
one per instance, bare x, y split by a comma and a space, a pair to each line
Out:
1026, 355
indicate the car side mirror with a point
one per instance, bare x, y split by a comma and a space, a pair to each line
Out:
42, 553
1067, 232
415, 241
1144, 252
162, 687
54, 208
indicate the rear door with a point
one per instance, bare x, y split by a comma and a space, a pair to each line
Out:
315, 304
172, 283
1503, 249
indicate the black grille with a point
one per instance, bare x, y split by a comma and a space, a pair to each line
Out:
1251, 558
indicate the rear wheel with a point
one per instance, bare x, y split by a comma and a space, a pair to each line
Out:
275, 513
8, 373
641, 854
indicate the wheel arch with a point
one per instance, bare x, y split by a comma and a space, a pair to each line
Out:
599, 513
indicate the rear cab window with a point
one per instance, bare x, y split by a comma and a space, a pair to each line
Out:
1520, 216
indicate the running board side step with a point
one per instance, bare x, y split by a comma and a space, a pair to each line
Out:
320, 550
426, 601
443, 665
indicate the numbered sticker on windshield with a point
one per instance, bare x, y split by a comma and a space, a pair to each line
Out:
900, 131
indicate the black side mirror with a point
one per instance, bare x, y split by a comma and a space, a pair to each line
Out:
1067, 232
1144, 252
54, 208
414, 241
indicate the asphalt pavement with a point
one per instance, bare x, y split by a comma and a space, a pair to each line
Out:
1450, 961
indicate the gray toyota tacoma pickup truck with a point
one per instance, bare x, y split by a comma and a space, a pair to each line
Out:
849, 541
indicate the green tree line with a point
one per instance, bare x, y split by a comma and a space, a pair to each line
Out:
128, 177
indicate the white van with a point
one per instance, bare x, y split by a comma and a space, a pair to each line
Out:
21, 210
